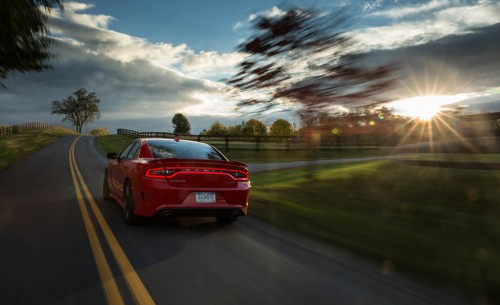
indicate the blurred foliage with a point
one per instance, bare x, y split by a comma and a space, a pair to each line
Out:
216, 129
306, 58
23, 35
281, 127
254, 127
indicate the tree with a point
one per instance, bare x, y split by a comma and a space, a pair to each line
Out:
24, 45
254, 128
236, 130
281, 128
305, 58
217, 129
181, 124
80, 108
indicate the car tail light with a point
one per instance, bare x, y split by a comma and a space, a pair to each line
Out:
169, 172
160, 172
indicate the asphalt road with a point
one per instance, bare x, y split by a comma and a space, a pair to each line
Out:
48, 256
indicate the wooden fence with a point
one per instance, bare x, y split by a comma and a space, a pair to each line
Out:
271, 142
6, 131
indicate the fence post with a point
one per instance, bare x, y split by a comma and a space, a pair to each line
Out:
257, 143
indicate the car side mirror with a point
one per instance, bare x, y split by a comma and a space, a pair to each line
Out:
112, 156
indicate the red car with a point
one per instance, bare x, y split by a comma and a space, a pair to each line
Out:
171, 178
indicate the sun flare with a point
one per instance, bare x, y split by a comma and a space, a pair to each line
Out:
422, 107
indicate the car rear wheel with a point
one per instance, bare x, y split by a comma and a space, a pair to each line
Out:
105, 187
128, 206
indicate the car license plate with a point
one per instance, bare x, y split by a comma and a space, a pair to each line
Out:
205, 197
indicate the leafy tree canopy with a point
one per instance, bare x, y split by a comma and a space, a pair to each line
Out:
181, 124
24, 45
80, 108
217, 129
281, 127
254, 127
305, 59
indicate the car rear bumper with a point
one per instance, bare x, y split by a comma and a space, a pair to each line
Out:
156, 198
201, 212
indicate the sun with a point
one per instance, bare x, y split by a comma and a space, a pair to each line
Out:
421, 107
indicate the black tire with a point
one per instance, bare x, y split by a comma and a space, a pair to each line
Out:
226, 219
105, 187
128, 206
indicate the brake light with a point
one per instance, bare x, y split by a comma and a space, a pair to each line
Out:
159, 173
169, 172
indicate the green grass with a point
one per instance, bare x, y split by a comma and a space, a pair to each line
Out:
22, 145
112, 143
269, 156
439, 224
482, 158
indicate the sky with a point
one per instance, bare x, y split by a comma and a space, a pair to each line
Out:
147, 60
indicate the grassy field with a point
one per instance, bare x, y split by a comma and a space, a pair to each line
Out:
112, 143
439, 224
482, 158
22, 145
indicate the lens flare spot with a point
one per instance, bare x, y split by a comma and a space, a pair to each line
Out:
481, 254
388, 267
471, 193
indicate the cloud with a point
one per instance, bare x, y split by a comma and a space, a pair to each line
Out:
133, 77
369, 6
432, 21
206, 64
454, 65
401, 12
273, 12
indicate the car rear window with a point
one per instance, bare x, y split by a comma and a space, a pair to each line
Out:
183, 150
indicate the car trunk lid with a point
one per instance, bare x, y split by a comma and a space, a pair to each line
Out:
198, 173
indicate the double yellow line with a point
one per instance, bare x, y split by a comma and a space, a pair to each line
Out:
113, 296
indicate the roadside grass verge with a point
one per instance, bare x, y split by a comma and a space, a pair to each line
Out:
19, 146
270, 156
482, 158
112, 143
437, 224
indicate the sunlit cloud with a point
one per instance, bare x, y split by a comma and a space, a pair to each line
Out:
401, 12
447, 18
208, 64
91, 32
141, 78
273, 12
